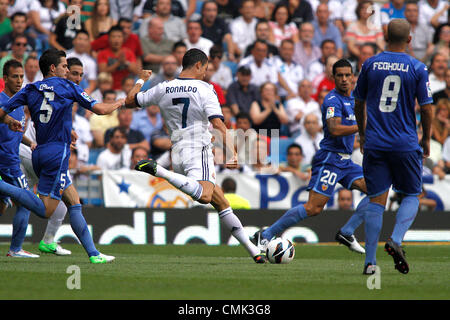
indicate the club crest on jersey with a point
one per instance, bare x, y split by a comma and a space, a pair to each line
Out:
86, 96
330, 112
324, 187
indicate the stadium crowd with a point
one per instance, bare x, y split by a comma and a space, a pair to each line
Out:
270, 65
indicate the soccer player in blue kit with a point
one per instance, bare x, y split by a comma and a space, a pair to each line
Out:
331, 164
50, 104
10, 171
385, 95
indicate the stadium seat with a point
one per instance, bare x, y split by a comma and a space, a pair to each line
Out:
283, 145
93, 155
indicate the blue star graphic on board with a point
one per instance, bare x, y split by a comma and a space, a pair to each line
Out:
123, 186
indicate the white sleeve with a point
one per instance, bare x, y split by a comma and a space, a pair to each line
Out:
446, 150
149, 97
212, 105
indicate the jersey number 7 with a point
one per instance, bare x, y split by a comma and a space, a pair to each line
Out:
185, 102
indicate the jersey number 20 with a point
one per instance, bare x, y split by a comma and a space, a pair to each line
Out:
46, 109
391, 88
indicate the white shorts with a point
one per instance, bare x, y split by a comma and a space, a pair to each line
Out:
26, 165
195, 163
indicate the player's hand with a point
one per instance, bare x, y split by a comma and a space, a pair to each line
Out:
15, 125
145, 75
425, 144
33, 146
232, 163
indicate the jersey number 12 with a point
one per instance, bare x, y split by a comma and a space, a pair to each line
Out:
390, 92
46, 109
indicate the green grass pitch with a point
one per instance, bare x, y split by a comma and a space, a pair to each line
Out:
222, 272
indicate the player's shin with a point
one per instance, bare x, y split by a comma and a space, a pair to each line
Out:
356, 219
20, 224
54, 222
80, 228
405, 217
25, 197
373, 222
290, 218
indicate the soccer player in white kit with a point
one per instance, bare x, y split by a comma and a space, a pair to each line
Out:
189, 106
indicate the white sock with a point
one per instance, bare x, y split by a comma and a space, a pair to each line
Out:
232, 222
183, 183
54, 222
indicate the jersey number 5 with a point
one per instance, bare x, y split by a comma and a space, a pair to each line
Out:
46, 109
185, 102
391, 88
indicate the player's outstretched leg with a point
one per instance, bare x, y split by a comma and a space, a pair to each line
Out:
20, 224
48, 243
345, 234
25, 197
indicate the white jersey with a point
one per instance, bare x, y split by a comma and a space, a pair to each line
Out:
187, 106
30, 133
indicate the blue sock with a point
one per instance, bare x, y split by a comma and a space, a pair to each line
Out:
356, 219
373, 223
405, 217
25, 197
290, 218
80, 228
20, 224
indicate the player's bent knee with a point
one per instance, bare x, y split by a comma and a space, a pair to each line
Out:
205, 198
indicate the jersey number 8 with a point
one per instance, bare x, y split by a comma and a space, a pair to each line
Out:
46, 109
391, 93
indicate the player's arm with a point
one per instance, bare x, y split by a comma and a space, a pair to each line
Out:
12, 123
131, 100
19, 99
360, 114
337, 129
426, 116
28, 142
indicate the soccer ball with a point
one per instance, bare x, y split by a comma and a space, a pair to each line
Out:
280, 251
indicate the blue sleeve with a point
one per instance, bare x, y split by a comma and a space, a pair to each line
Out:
83, 99
16, 101
332, 107
360, 92
423, 90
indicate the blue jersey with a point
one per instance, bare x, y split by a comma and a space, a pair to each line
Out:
337, 105
10, 140
395, 80
50, 103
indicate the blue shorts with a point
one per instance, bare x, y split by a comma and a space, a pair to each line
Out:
51, 164
15, 177
328, 168
402, 170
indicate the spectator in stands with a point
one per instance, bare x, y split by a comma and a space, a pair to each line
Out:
300, 11
130, 40
245, 138
394, 9
208, 75
178, 51
262, 32
317, 67
421, 36
174, 26
160, 144
300, 106
155, 47
194, 38
429, 9
168, 71
18, 52
362, 31
100, 123
446, 155
19, 26
138, 154
281, 26
367, 50
32, 72
440, 127
117, 60
268, 113
310, 138
81, 51
227, 9
335, 9
263, 9
236, 202
100, 21
262, 68
445, 93
87, 9
441, 41
438, 67
349, 13
147, 120
64, 30
321, 96
216, 29
104, 83
242, 93
117, 154
290, 71
122, 9
305, 51
18, 6
228, 117
135, 138
77, 168
294, 163
324, 29
243, 27
180, 9
259, 160
326, 79
345, 199
223, 75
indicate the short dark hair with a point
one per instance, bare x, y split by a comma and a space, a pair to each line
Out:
216, 51
109, 92
18, 14
243, 115
115, 28
324, 42
48, 58
11, 64
121, 130
74, 62
244, 70
81, 31
340, 64
207, 2
229, 185
295, 145
124, 19
261, 21
192, 56
178, 44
